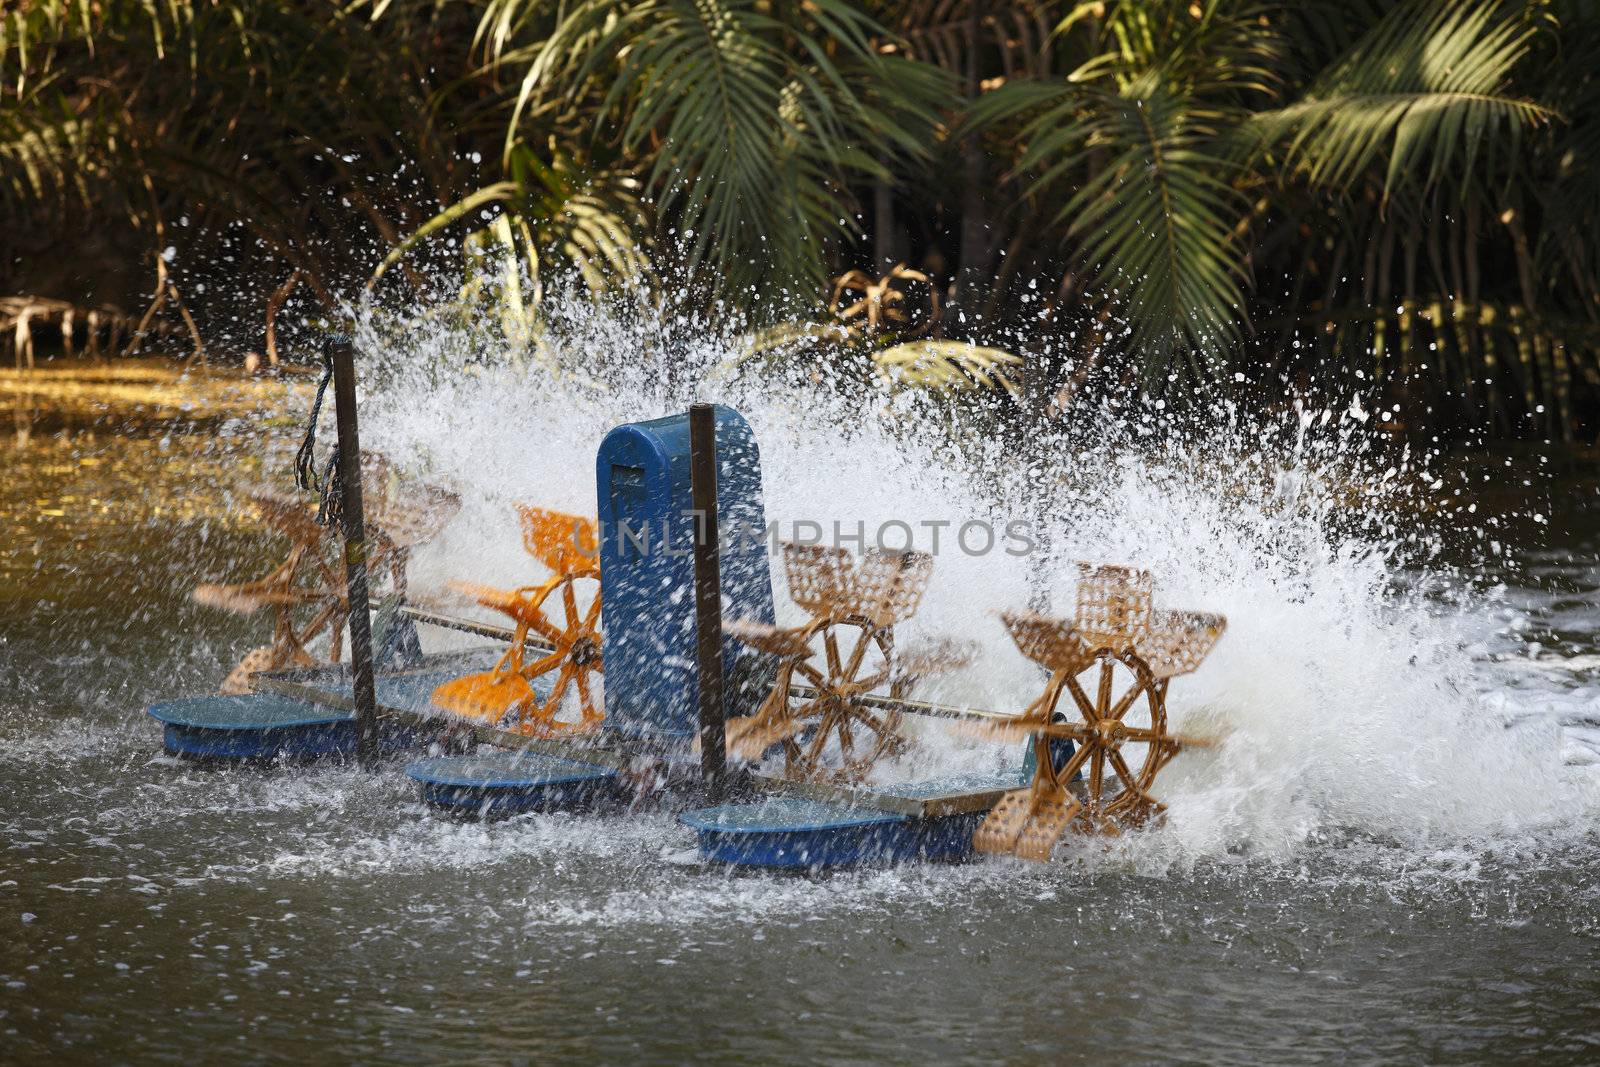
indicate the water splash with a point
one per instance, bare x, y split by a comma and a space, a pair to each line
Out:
1347, 683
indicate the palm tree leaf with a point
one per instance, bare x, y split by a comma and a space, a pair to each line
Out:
748, 115
952, 365
1156, 220
455, 212
1429, 85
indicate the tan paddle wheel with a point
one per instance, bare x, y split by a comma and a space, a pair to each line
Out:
1114, 659
564, 612
846, 651
306, 592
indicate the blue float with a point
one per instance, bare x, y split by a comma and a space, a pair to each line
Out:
791, 833
647, 534
311, 721
511, 783
797, 833
262, 726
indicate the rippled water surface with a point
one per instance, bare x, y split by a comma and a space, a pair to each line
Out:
1392, 858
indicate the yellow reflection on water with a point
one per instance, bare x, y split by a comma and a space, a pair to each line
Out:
109, 460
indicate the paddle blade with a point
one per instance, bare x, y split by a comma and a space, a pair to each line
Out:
233, 598
503, 600
749, 737
1026, 824
238, 681
488, 696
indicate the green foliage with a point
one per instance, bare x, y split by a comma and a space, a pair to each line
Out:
593, 221
892, 360
750, 125
1286, 189
1427, 88
941, 365
1154, 214
292, 121
1146, 194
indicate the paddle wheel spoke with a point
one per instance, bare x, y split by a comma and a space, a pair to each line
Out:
846, 738
857, 654
1130, 783
810, 708
1080, 698
542, 626
811, 674
569, 602
1126, 702
867, 685
1069, 769
1072, 731
585, 697
552, 704
878, 726
544, 664
819, 739
831, 645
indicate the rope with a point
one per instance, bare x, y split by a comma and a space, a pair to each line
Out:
326, 485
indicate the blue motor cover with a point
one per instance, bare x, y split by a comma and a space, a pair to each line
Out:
647, 532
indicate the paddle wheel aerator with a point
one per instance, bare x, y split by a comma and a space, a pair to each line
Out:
826, 667
834, 691
1115, 659
306, 592
564, 613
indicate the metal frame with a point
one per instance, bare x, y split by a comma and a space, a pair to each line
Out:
611, 750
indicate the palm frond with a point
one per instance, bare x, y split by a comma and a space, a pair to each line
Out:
750, 143
1429, 86
592, 218
1156, 220
489, 194
45, 151
590, 221
1199, 48
1017, 32
946, 365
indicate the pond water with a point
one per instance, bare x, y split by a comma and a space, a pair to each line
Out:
1395, 881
